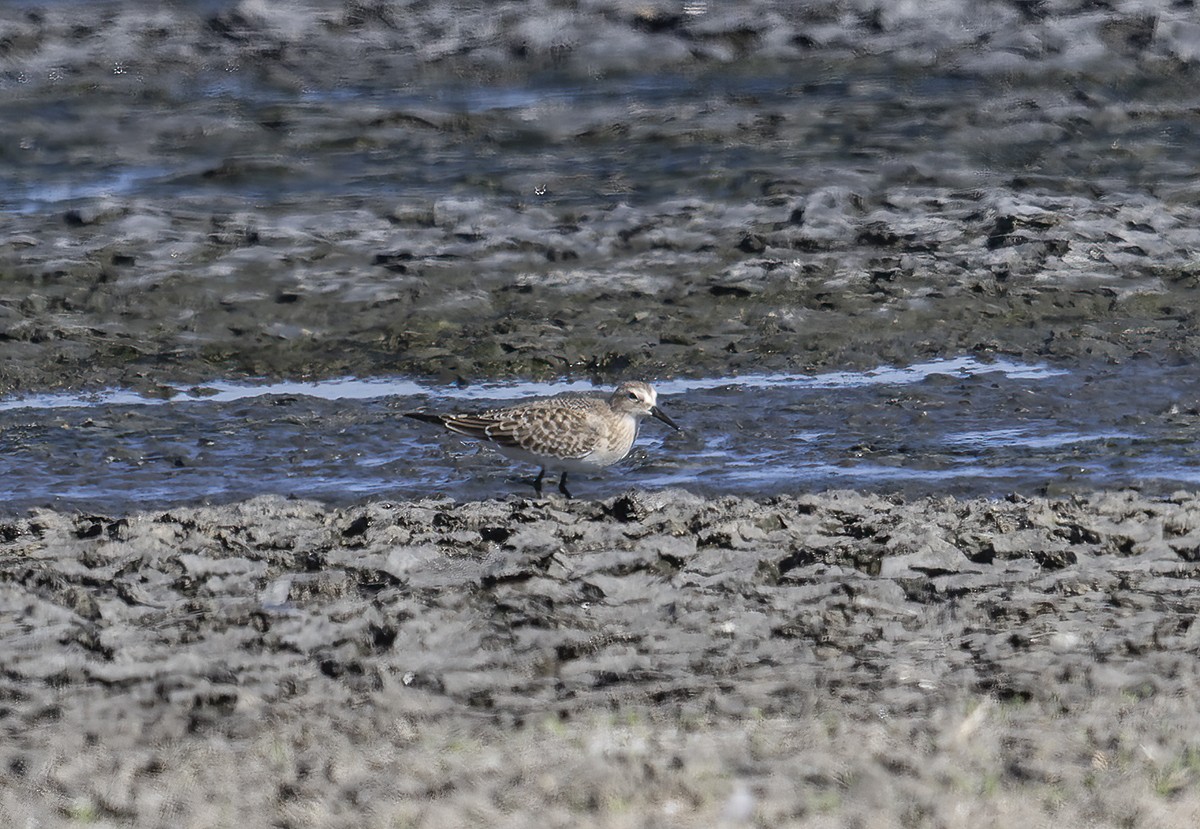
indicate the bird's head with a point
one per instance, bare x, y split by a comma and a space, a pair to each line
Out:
639, 399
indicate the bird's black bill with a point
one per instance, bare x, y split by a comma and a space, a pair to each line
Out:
658, 413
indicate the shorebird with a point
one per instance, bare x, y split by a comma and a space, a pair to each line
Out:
568, 432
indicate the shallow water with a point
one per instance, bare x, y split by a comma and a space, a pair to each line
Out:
954, 426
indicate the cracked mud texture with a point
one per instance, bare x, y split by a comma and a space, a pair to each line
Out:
651, 659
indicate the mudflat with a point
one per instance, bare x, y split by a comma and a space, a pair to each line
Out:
648, 659
301, 191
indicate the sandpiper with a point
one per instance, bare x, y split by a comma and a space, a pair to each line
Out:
569, 432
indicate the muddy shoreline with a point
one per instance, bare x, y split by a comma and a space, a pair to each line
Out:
820, 659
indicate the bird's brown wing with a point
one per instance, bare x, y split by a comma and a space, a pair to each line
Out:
566, 433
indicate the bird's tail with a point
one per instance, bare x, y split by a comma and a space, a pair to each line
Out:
427, 417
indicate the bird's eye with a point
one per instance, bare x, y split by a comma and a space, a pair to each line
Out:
632, 395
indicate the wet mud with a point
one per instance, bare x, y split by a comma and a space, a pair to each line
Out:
315, 191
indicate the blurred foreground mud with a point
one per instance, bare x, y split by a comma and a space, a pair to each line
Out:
829, 658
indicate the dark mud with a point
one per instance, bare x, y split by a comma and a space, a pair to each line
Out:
651, 659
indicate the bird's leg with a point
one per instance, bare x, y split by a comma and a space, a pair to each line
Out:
562, 485
537, 482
